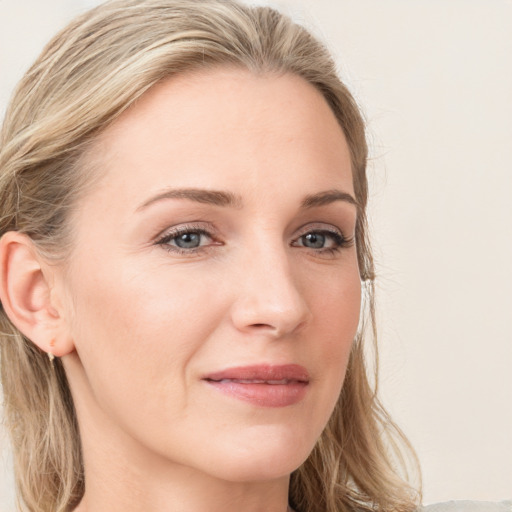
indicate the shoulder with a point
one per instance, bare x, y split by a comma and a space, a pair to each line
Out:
469, 506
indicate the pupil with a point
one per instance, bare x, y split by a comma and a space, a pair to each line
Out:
314, 240
188, 240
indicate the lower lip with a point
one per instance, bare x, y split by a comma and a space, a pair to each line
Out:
263, 395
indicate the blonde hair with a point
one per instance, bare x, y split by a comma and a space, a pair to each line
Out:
85, 78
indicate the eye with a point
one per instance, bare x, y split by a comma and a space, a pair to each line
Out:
185, 240
314, 240
189, 240
323, 240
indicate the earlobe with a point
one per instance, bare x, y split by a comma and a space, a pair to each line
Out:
25, 294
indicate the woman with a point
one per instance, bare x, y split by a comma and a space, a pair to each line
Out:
183, 197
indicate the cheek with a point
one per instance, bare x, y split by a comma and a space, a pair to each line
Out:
137, 329
335, 322
337, 309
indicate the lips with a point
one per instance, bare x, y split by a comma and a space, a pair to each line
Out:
262, 385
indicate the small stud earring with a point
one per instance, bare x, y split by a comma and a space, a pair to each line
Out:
51, 357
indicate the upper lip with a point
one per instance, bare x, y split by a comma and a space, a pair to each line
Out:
279, 374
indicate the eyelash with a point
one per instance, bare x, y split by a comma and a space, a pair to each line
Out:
339, 240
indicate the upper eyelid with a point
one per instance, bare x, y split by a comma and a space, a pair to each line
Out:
319, 226
180, 228
327, 229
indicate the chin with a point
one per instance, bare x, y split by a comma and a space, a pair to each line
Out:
268, 455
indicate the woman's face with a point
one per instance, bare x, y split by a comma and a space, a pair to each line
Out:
213, 292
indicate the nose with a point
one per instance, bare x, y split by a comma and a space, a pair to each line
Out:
269, 300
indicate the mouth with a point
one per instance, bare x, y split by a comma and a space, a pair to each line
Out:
262, 385
281, 382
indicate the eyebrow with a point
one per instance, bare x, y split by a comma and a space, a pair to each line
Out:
228, 199
328, 197
214, 197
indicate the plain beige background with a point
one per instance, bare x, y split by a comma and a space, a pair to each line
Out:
434, 78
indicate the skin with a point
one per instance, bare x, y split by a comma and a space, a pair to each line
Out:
141, 323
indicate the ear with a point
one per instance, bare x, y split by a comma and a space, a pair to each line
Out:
26, 295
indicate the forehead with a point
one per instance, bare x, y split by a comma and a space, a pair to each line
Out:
197, 128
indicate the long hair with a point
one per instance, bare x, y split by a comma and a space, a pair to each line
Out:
89, 74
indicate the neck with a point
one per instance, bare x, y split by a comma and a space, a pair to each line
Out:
178, 489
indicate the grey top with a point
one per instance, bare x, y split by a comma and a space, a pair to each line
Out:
469, 506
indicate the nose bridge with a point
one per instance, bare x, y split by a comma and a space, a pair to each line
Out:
270, 298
